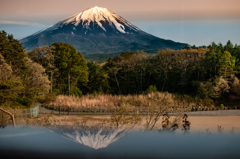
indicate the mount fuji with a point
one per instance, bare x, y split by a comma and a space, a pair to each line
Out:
95, 138
98, 30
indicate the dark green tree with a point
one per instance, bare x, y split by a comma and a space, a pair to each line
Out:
72, 67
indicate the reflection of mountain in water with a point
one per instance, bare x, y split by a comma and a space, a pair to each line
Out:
95, 137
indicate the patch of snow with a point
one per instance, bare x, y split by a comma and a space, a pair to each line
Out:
99, 15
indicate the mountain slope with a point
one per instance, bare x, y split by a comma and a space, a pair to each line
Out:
98, 30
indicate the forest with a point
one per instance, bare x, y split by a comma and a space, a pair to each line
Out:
208, 75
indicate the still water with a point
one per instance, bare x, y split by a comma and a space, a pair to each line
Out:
121, 142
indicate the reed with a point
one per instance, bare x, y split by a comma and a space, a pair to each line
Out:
107, 100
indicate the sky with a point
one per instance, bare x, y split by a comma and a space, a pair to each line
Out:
196, 22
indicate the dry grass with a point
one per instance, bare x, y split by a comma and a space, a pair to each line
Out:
87, 101
114, 101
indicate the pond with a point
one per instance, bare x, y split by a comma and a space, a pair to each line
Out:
122, 142
122, 136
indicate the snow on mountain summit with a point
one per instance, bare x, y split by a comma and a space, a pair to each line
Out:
98, 15
93, 18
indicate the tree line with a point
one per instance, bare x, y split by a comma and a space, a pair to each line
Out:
206, 73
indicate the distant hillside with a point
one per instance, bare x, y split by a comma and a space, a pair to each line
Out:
105, 57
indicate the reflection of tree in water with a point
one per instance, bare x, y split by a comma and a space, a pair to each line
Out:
220, 129
169, 126
123, 116
172, 125
186, 124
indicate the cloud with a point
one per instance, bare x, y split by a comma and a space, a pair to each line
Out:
19, 23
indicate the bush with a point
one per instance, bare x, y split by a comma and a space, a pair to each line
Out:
76, 91
221, 106
208, 102
50, 97
25, 101
152, 89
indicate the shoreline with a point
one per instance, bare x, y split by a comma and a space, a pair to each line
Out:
201, 124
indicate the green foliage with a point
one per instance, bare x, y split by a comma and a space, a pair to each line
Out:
49, 98
203, 75
207, 73
208, 102
21, 80
69, 62
152, 89
13, 52
36, 81
206, 90
10, 90
76, 91
126, 55
25, 101
62, 63
98, 79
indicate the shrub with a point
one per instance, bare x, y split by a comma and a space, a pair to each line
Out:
221, 106
152, 89
50, 97
76, 91
208, 102
25, 101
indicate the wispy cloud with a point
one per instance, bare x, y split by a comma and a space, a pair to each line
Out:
19, 23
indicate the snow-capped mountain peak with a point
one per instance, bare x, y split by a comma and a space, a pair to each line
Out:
93, 18
98, 30
98, 15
